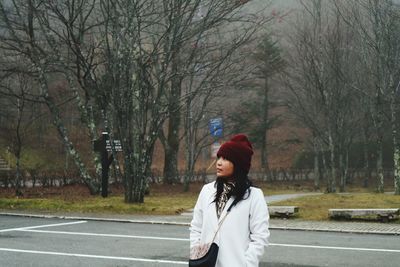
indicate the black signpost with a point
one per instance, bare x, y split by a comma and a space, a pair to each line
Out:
103, 146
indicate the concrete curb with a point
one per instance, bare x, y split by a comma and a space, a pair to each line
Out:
91, 218
313, 226
347, 231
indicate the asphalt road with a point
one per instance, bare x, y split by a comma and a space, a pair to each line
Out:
55, 242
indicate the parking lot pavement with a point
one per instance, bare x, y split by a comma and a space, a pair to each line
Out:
28, 241
281, 224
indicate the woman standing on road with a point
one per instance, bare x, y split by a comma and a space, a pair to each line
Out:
244, 232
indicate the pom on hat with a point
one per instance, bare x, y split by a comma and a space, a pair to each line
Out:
238, 150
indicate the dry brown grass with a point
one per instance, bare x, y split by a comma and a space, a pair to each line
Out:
170, 199
161, 200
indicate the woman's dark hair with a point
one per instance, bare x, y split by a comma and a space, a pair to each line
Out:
241, 190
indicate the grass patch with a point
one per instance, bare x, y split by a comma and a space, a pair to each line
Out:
170, 200
165, 205
163, 200
281, 188
316, 207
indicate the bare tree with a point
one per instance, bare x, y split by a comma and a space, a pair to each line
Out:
160, 44
125, 63
27, 34
376, 22
320, 85
207, 36
309, 103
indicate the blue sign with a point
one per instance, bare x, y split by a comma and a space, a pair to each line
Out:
216, 127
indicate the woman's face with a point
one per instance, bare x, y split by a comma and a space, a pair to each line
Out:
224, 167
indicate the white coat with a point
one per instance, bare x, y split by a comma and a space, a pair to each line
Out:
243, 234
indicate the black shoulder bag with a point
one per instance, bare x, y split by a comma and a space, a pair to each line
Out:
207, 254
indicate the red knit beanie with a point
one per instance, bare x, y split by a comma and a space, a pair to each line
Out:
238, 150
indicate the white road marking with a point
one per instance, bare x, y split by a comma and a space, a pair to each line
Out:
336, 248
105, 235
40, 226
187, 240
91, 256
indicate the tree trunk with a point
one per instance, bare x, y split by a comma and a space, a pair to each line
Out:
379, 145
18, 175
264, 155
92, 131
316, 165
18, 149
346, 169
332, 181
343, 173
171, 147
367, 170
137, 160
324, 169
397, 169
94, 189
190, 146
171, 161
396, 140
379, 165
86, 114
128, 178
189, 172
136, 178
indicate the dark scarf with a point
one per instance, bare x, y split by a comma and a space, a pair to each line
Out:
223, 199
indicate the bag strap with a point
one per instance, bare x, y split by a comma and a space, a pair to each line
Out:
221, 221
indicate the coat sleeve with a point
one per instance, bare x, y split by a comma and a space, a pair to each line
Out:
259, 233
197, 221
